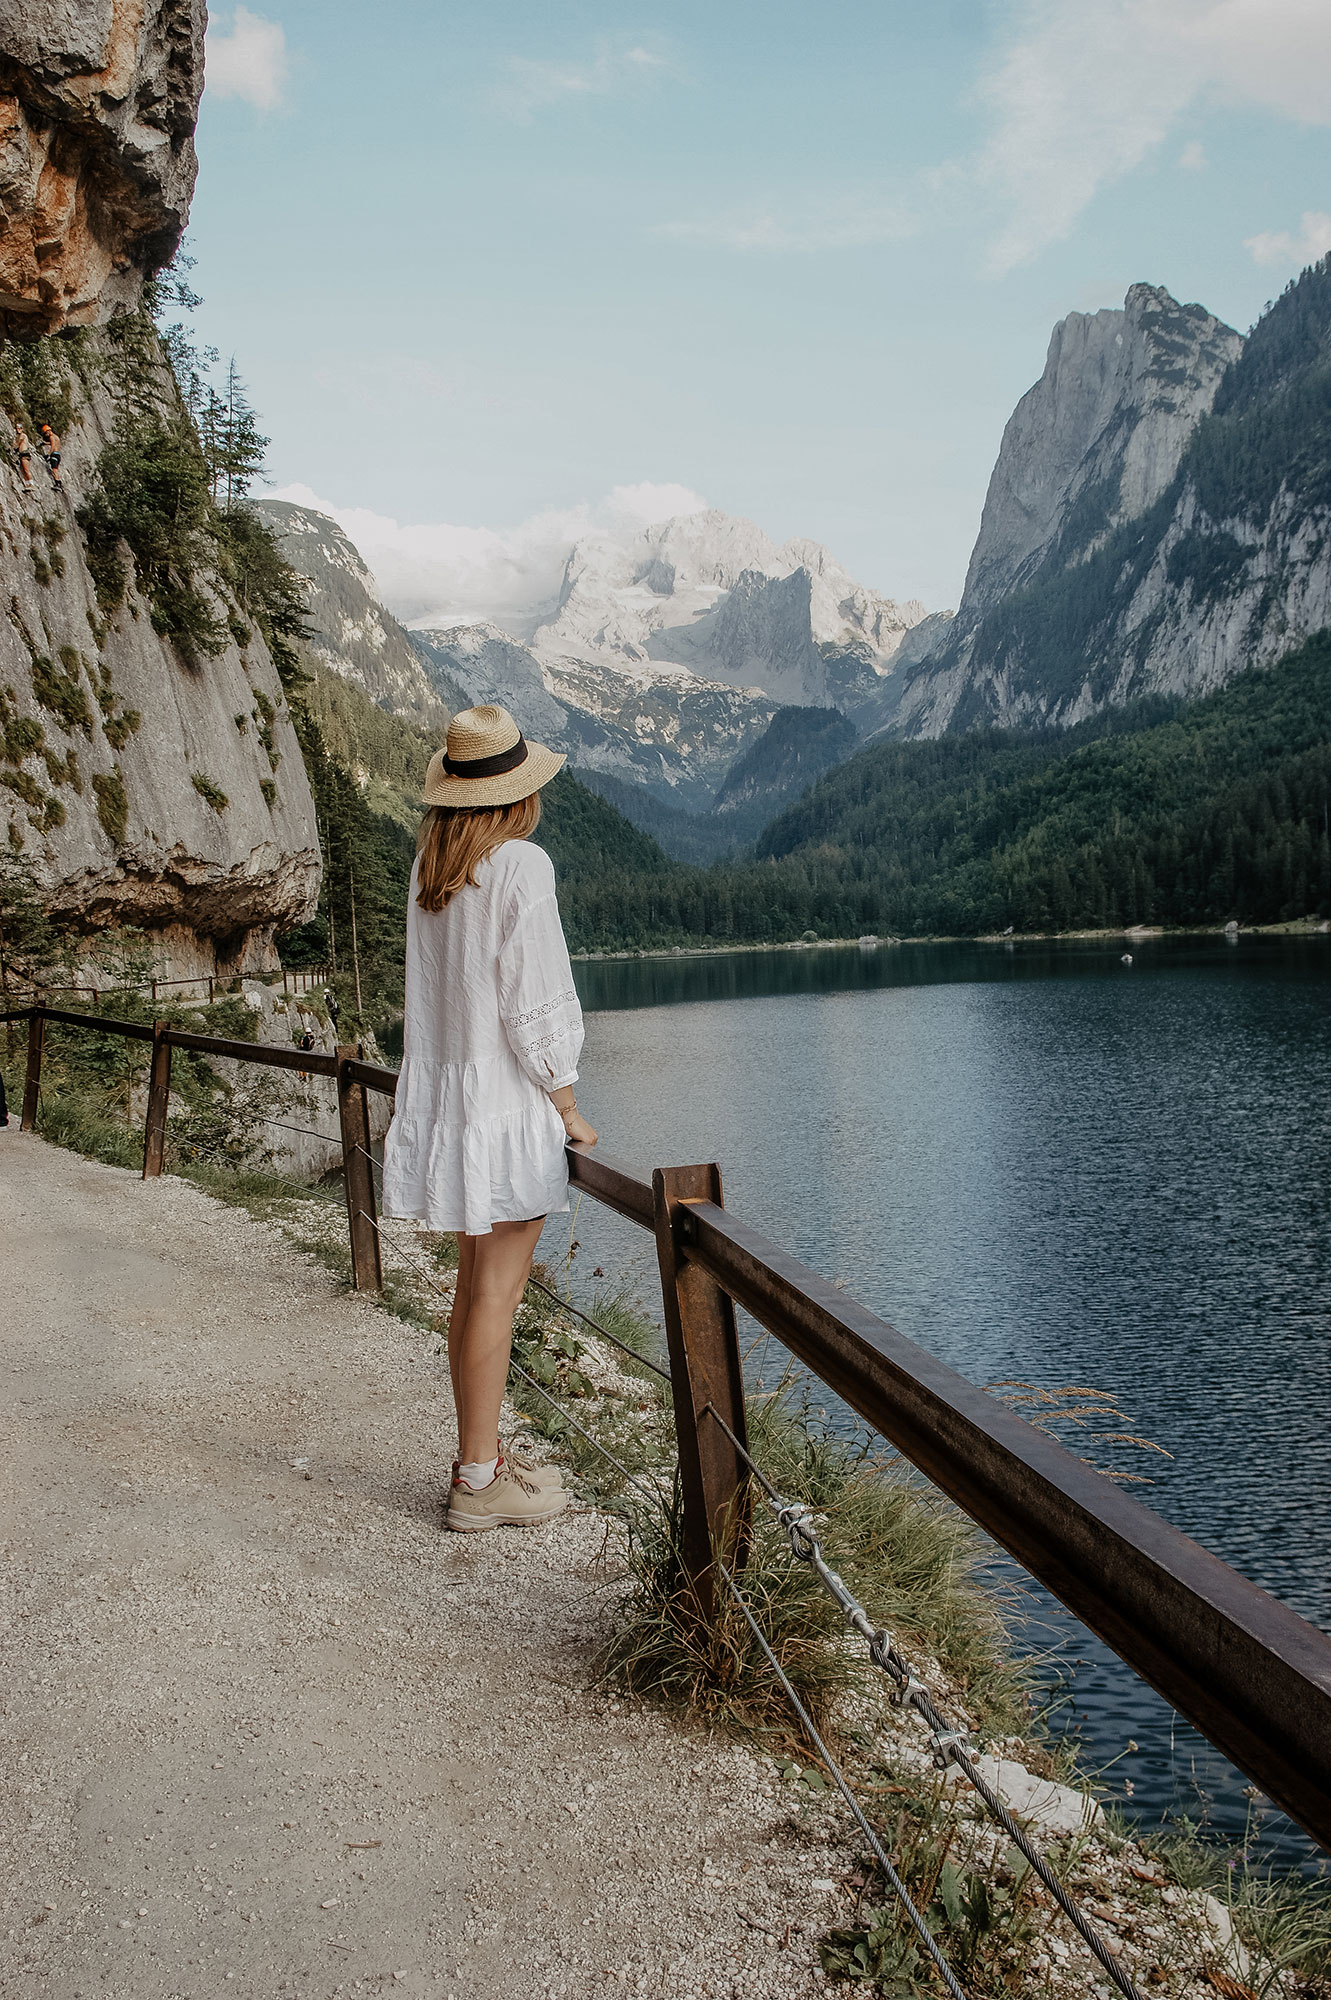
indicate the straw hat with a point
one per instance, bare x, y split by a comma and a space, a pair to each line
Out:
487, 762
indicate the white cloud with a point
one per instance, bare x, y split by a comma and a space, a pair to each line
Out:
1279, 246
850, 224
250, 61
1085, 90
439, 573
614, 68
1193, 157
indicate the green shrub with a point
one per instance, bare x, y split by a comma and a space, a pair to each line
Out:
62, 692
36, 384
20, 735
25, 787
269, 790
210, 792
112, 803
119, 728
152, 494
266, 587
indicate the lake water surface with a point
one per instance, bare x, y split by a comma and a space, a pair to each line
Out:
1040, 1163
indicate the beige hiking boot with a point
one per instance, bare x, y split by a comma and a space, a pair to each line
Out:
511, 1500
548, 1477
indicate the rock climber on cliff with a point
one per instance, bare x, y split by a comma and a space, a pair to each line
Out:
51, 453
23, 453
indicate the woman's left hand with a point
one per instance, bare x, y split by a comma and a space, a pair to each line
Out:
579, 1132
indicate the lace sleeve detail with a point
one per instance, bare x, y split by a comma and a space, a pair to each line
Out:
537, 997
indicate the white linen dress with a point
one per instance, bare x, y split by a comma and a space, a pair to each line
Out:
492, 1023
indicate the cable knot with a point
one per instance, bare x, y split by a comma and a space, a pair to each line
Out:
943, 1743
880, 1652
796, 1518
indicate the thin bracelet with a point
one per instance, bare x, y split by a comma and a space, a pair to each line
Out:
568, 1111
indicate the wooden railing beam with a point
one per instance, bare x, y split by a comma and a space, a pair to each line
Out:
159, 1103
353, 1106
32, 1082
704, 1369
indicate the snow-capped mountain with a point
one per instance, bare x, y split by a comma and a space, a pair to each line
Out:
645, 723
711, 593
665, 656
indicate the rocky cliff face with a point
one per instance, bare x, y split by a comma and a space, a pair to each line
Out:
657, 726
666, 656
354, 634
98, 100
1088, 451
141, 790
712, 593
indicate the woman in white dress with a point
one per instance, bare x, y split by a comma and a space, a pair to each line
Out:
485, 1104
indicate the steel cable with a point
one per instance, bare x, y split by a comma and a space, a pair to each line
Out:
301, 1189
899, 1889
945, 1742
565, 1305
306, 1131
913, 1915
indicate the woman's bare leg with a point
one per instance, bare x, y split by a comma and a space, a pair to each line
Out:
492, 1275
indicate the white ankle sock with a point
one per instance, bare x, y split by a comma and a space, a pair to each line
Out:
479, 1474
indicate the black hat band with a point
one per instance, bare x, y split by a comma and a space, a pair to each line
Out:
487, 767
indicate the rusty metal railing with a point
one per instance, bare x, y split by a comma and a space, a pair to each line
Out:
295, 979
1253, 1676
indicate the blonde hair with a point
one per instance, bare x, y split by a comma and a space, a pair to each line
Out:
454, 840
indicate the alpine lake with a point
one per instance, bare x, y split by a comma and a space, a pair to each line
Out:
1050, 1166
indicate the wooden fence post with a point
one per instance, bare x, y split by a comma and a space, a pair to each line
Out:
33, 1081
704, 1368
353, 1108
159, 1100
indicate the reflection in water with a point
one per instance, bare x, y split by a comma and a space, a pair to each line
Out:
1040, 1163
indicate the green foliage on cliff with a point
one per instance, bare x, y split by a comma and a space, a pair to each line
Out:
170, 489
152, 494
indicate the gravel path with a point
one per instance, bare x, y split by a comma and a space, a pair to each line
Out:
263, 1728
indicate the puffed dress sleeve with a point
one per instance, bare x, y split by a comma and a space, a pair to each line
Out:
538, 1002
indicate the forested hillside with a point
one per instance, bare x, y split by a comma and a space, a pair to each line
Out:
1158, 813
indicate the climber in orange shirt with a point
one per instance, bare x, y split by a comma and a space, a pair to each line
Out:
52, 453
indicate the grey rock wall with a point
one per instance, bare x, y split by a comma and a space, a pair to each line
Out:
142, 791
355, 636
1093, 445
98, 100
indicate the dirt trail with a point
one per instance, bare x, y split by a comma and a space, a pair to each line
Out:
266, 1733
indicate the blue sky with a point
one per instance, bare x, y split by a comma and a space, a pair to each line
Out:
496, 273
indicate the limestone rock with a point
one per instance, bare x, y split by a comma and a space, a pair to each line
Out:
98, 100
355, 635
142, 791
1099, 437
1055, 1811
656, 725
711, 592
1094, 445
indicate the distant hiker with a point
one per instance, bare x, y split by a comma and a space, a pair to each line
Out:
52, 453
306, 1043
330, 1002
23, 452
491, 1035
